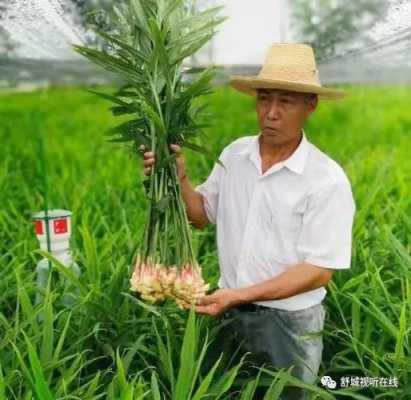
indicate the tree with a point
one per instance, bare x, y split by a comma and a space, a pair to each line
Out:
6, 44
328, 24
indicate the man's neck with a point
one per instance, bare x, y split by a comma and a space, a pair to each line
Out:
276, 153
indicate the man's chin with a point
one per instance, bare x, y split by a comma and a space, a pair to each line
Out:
272, 138
271, 134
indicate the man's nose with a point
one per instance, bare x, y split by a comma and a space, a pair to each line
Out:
273, 111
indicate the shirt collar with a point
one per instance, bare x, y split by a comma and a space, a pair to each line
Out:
295, 162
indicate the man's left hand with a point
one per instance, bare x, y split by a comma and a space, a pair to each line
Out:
218, 302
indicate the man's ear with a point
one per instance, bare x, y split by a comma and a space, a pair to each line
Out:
312, 105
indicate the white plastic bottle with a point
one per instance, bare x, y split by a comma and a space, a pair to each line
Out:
43, 273
55, 240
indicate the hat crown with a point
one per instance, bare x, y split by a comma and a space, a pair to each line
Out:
289, 53
287, 66
291, 62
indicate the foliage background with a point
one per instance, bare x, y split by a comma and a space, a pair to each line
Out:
108, 342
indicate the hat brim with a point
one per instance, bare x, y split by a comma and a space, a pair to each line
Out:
249, 85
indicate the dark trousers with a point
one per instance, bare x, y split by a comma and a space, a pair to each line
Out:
277, 338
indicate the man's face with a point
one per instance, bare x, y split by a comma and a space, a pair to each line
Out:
281, 114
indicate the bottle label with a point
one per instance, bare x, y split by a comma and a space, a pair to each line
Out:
60, 226
38, 227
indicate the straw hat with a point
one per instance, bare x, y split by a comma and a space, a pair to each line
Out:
288, 66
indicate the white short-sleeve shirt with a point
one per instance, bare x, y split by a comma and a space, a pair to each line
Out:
300, 209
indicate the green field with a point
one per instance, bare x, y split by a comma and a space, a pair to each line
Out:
110, 346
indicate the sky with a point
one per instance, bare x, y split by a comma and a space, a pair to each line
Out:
398, 18
243, 38
43, 31
248, 32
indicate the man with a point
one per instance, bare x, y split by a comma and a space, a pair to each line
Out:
284, 212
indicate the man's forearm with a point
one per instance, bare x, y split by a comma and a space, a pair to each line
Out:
299, 278
194, 204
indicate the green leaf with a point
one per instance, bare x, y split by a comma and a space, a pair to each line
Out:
2, 385
66, 272
190, 50
196, 88
24, 367
40, 385
199, 362
127, 128
121, 375
202, 150
158, 43
46, 354
154, 387
138, 55
145, 306
187, 358
166, 161
277, 386
198, 34
121, 110
249, 392
62, 338
160, 206
172, 6
137, 136
379, 316
205, 384
110, 63
198, 19
224, 383
26, 306
109, 97
194, 70
153, 116
139, 14
165, 359
402, 334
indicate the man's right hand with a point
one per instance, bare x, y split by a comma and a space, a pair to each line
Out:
149, 160
193, 200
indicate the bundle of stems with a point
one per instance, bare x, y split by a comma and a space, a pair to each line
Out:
146, 43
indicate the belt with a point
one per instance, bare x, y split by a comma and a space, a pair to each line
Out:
251, 307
